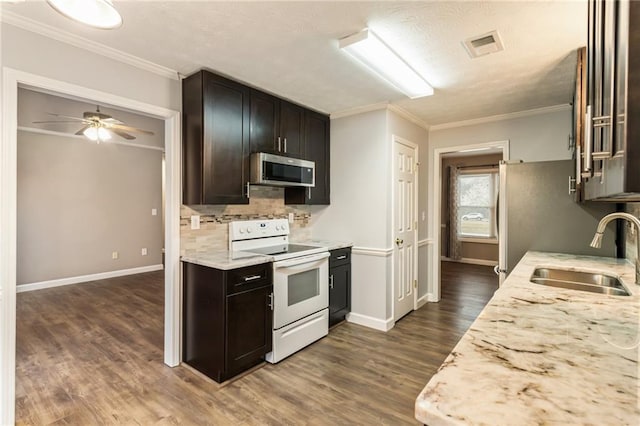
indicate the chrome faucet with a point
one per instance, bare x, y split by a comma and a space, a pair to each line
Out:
597, 239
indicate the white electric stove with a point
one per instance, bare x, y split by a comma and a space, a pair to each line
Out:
300, 283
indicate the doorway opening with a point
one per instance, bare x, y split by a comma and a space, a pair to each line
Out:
12, 81
465, 219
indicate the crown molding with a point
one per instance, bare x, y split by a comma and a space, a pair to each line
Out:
358, 110
500, 117
408, 116
380, 106
92, 46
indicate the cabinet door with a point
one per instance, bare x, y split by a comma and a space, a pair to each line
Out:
265, 117
249, 329
291, 117
316, 148
225, 159
339, 293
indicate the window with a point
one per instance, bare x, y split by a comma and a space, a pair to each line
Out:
477, 199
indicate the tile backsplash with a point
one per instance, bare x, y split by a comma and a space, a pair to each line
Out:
265, 203
630, 239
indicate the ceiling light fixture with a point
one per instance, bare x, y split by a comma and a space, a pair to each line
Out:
95, 13
369, 49
97, 134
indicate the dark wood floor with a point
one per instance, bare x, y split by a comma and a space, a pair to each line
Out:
92, 354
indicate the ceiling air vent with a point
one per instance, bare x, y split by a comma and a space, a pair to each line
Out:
484, 44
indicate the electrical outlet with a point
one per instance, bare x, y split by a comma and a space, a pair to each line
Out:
195, 222
154, 212
143, 251
291, 217
423, 216
114, 255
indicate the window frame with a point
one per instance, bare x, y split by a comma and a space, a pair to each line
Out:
493, 210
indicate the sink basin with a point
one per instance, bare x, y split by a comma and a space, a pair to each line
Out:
579, 280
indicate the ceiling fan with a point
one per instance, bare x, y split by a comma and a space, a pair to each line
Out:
98, 126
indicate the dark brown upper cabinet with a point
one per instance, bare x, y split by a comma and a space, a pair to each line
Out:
215, 142
315, 148
276, 125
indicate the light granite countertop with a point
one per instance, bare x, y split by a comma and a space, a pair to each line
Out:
544, 355
225, 259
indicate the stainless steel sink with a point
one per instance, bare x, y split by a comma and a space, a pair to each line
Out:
579, 280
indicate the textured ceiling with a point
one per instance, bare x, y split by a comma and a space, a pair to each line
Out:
291, 49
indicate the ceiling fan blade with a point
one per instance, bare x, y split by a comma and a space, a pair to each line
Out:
123, 134
111, 120
81, 131
49, 122
128, 128
67, 116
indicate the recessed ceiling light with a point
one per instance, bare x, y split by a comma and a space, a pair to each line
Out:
95, 13
369, 49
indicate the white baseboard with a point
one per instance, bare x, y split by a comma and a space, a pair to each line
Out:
371, 322
423, 300
86, 278
469, 261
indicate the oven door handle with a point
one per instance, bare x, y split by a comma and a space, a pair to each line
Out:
301, 261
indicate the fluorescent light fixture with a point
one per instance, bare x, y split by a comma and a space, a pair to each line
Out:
95, 13
369, 49
97, 134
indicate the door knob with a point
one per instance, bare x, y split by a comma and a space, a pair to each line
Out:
399, 241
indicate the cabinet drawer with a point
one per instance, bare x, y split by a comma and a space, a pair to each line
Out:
248, 278
340, 257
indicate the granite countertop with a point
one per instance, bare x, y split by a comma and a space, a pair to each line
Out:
225, 259
543, 355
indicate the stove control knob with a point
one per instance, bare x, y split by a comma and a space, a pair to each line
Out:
277, 227
241, 231
248, 230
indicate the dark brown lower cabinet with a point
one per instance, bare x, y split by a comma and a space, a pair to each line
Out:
339, 285
227, 318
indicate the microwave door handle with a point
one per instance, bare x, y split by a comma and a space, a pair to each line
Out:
301, 261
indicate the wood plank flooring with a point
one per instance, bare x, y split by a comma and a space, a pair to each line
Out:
92, 354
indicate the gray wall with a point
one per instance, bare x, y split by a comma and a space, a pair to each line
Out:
80, 201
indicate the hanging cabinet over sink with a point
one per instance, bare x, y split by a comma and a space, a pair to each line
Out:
224, 121
611, 157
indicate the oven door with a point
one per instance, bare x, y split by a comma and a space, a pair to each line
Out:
300, 288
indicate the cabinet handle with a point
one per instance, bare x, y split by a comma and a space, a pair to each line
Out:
279, 144
331, 282
270, 304
252, 278
248, 189
588, 137
572, 185
344, 256
309, 192
285, 144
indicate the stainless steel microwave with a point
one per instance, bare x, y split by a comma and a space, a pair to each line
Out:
276, 170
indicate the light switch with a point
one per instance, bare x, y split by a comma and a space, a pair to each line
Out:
114, 255
291, 217
154, 212
423, 216
195, 222
143, 251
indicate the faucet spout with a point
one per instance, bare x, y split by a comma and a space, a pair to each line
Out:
597, 238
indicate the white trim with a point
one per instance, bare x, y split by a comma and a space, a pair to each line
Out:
470, 261
423, 301
424, 242
92, 46
358, 110
478, 240
408, 116
379, 106
21, 288
370, 251
434, 201
500, 117
74, 136
371, 322
11, 79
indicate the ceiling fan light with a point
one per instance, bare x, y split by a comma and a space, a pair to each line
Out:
103, 134
91, 133
95, 13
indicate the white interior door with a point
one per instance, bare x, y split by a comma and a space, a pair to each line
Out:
405, 233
